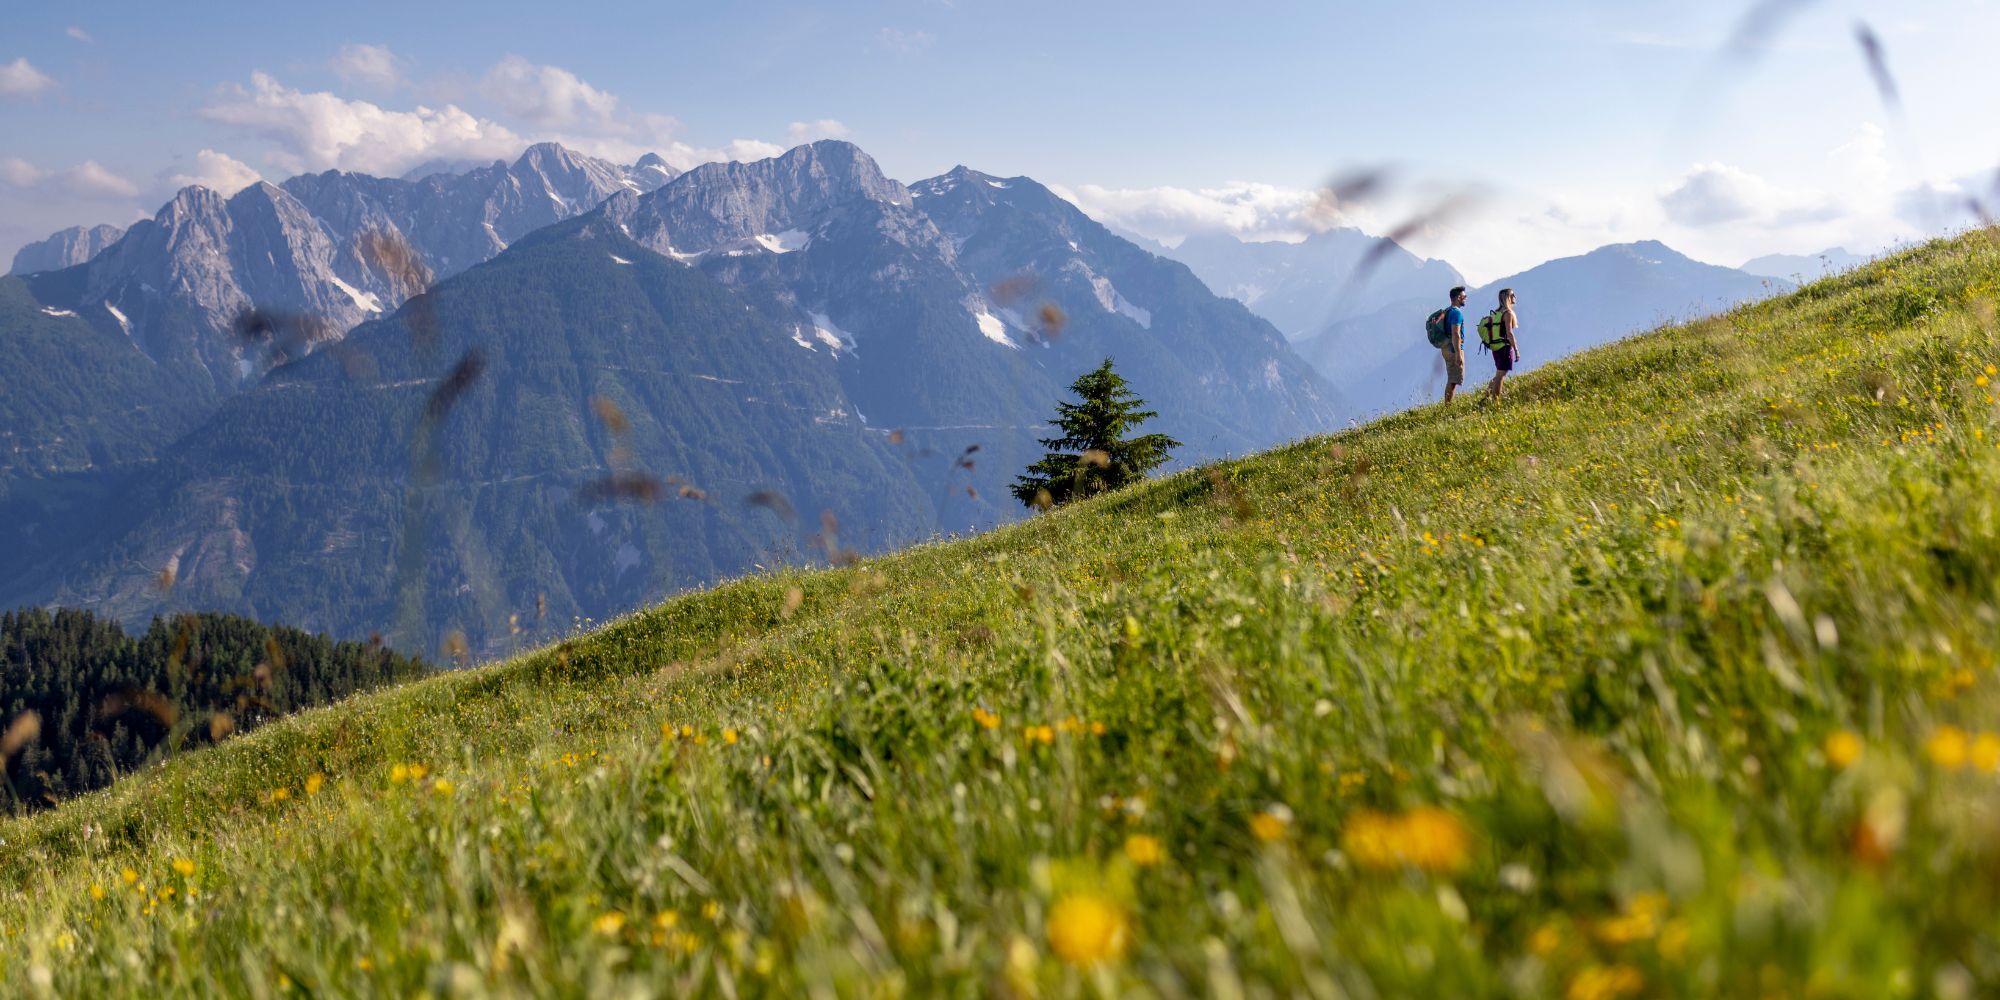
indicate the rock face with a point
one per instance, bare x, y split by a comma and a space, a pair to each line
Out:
308, 255
176, 284
1382, 362
68, 248
456, 220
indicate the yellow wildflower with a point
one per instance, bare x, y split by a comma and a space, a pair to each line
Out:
96, 891
729, 736
1599, 982
399, 773
1426, 838
280, 794
986, 719
184, 866
1948, 747
1986, 752
609, 924
1087, 929
1143, 850
129, 876
1842, 748
314, 782
1673, 940
1545, 939
1270, 825
443, 787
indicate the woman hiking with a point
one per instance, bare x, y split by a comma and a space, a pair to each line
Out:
1496, 334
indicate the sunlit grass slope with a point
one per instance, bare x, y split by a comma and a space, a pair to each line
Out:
1671, 675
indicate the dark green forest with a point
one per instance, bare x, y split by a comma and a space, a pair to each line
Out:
83, 702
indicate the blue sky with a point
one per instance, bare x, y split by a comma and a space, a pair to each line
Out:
1568, 124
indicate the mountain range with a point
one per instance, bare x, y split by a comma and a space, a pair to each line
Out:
618, 388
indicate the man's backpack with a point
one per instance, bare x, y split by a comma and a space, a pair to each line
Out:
1493, 330
1436, 329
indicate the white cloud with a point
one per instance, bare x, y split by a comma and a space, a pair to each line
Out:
219, 172
89, 180
17, 172
368, 65
824, 128
21, 79
905, 41
80, 35
549, 96
750, 149
1246, 210
1715, 194
318, 131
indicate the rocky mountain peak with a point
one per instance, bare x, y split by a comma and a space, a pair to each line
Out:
67, 248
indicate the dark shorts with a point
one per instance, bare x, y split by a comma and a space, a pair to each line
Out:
1503, 360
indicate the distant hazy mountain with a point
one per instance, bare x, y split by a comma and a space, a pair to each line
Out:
64, 249
1303, 287
1383, 362
1806, 267
785, 337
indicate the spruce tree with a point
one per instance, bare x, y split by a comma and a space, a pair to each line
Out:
1093, 454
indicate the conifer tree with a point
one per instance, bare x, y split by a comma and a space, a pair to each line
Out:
1093, 453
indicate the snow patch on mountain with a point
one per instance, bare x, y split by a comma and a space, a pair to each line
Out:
991, 326
827, 332
53, 311
123, 323
1108, 296
785, 242
618, 260
365, 301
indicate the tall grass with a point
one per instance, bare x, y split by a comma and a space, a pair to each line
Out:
1673, 673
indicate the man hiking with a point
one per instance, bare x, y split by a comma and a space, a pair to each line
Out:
1453, 347
1496, 334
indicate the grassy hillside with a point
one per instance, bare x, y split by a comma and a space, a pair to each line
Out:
1671, 675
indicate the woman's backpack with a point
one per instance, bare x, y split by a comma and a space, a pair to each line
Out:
1493, 330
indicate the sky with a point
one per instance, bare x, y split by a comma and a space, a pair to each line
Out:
1500, 135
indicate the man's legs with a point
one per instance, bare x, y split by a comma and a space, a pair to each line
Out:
1454, 369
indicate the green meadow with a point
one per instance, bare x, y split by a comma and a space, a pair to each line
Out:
1671, 674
